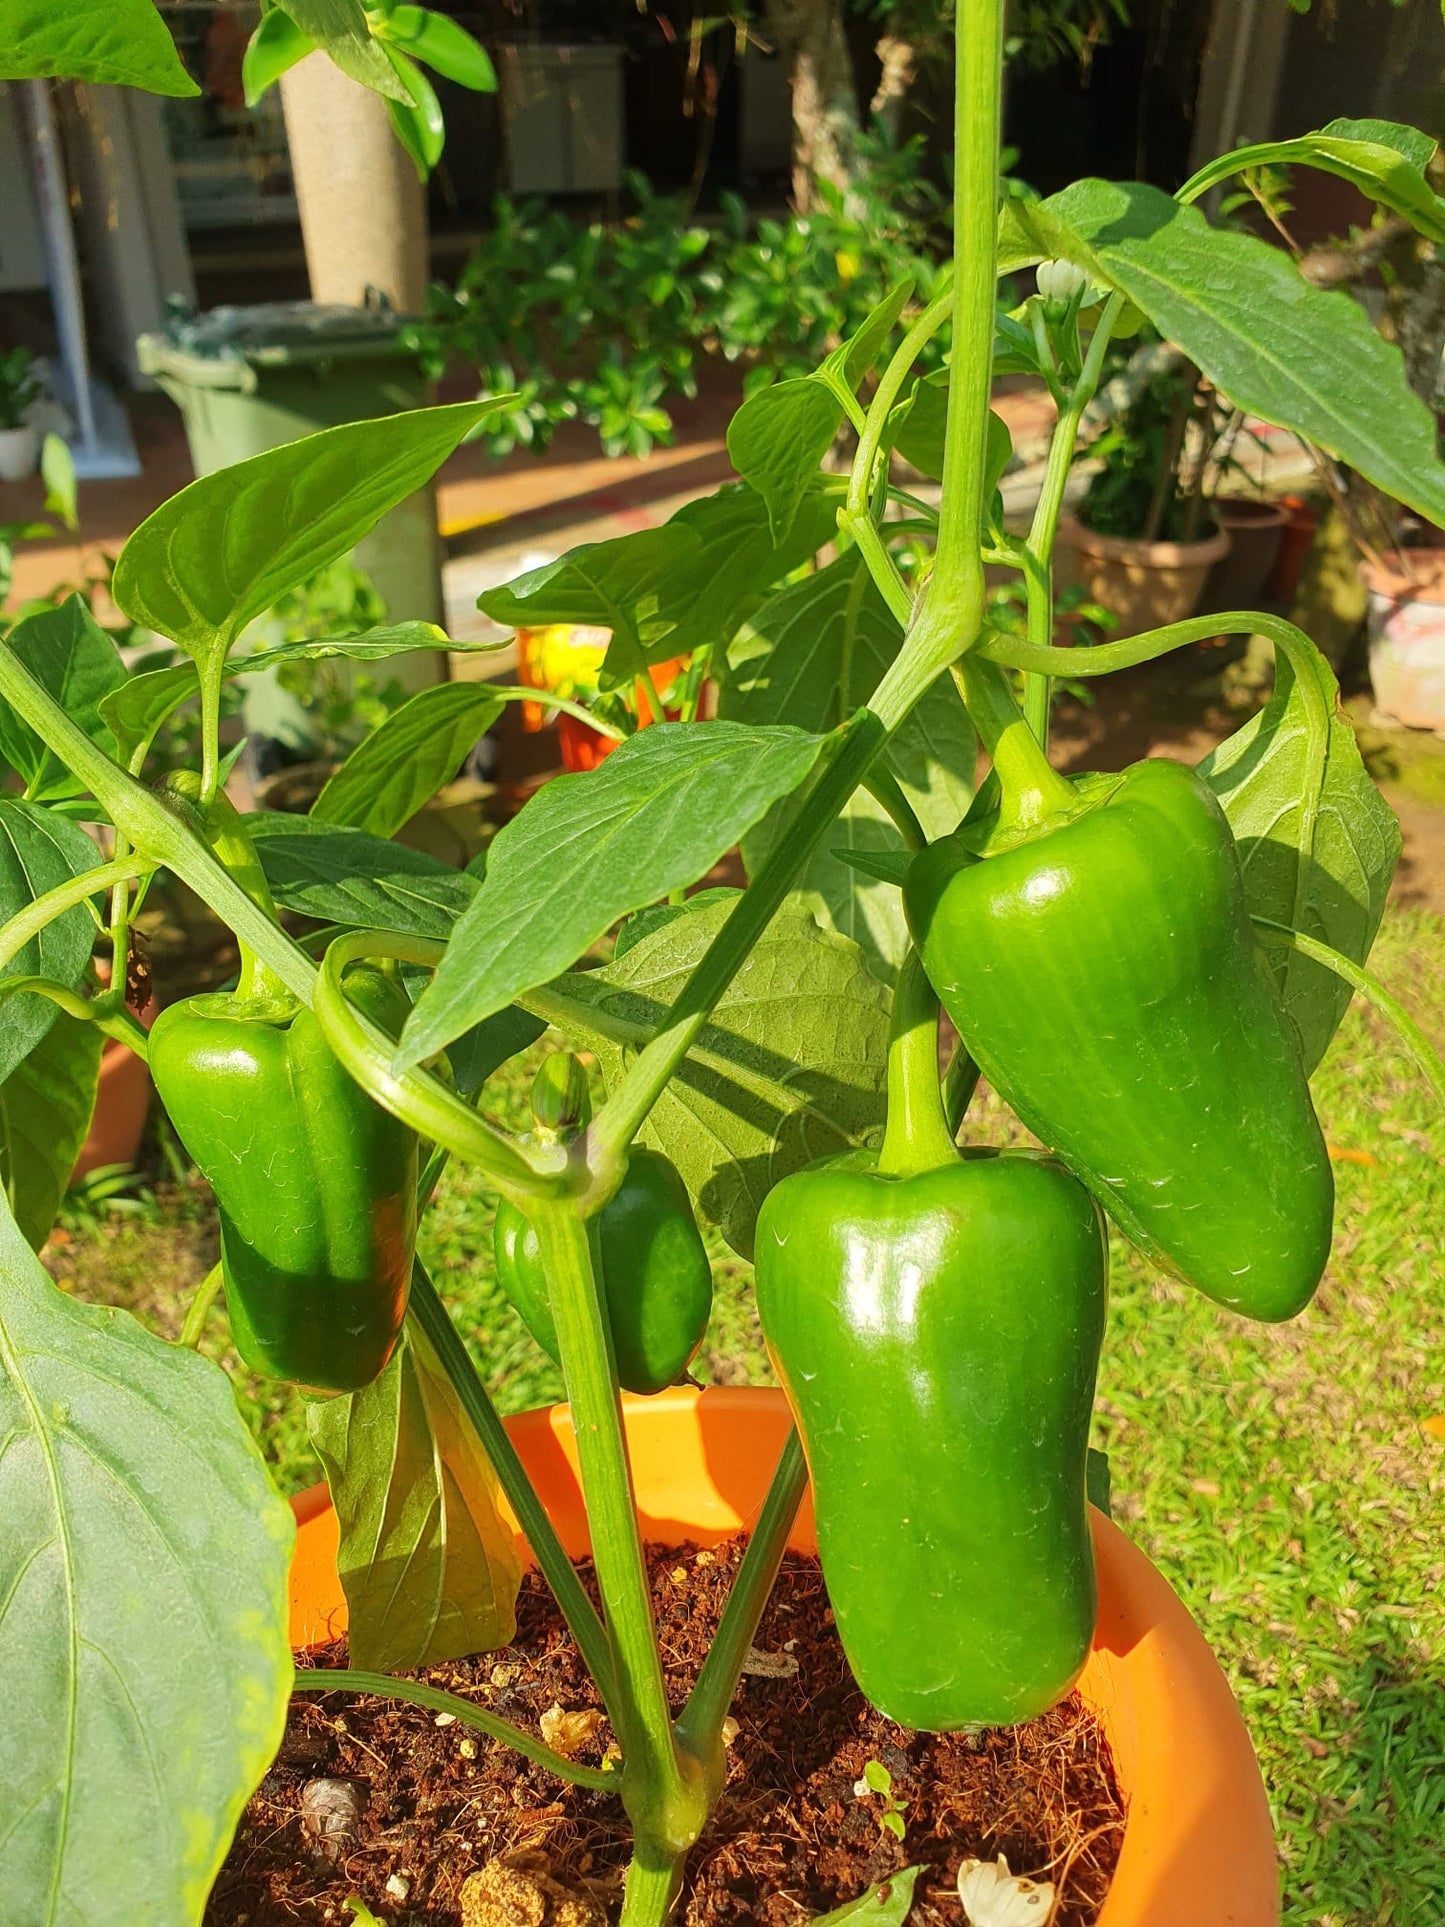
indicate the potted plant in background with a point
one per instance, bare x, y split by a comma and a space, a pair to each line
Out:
736, 1043
20, 389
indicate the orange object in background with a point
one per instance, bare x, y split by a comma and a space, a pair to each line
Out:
565, 659
1198, 1848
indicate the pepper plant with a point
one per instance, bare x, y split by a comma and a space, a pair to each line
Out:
1147, 963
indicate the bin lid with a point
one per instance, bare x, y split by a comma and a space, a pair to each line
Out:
276, 334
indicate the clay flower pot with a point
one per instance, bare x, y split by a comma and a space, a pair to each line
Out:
1255, 529
1144, 584
1198, 1849
1407, 635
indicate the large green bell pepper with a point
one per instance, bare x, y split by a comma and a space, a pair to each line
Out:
936, 1324
1103, 972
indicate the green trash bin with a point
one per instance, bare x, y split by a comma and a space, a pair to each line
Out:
251, 378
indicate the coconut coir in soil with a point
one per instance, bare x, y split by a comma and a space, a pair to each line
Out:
428, 1804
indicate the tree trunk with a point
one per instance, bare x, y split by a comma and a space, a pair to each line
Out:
811, 38
898, 67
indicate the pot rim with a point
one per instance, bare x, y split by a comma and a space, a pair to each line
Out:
1265, 511
1198, 1845
1153, 555
1399, 577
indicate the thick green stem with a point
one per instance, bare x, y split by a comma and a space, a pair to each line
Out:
547, 1549
601, 1779
700, 1723
419, 1100
1032, 789
1279, 936
950, 614
917, 1137
665, 1791
28, 923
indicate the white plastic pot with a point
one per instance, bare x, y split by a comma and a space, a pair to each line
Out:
19, 451
1407, 636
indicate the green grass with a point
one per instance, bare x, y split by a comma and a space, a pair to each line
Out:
1279, 1477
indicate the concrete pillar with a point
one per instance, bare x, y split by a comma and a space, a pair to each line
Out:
363, 210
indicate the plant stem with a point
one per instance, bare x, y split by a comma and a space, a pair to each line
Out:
107, 1013
620, 1118
556, 1568
1279, 936
28, 923
200, 1308
917, 1137
1039, 550
960, 1081
1032, 789
883, 786
948, 619
343, 1680
663, 1788
419, 1100
700, 1723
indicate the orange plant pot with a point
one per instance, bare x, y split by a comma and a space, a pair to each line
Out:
1198, 1848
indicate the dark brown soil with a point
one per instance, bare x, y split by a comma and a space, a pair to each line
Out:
790, 1839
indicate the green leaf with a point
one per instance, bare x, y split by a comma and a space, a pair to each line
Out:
1316, 857
656, 915
38, 850
857, 356
215, 556
428, 1565
1384, 160
341, 875
1289, 353
889, 866
790, 1067
777, 439
276, 46
400, 767
143, 1611
45, 1110
593, 847
339, 27
810, 656
920, 436
885, 1904
57, 471
667, 592
121, 44
1098, 1481
135, 711
483, 1049
418, 122
442, 44
75, 661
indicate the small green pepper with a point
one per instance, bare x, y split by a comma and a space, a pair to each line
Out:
654, 1264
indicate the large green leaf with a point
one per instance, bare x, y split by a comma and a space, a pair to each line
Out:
1318, 855
443, 44
591, 848
1287, 352
340, 875
340, 28
215, 556
666, 592
400, 767
811, 656
273, 50
1384, 160
123, 43
428, 1565
143, 1612
45, 1109
791, 1066
886, 1904
75, 661
38, 850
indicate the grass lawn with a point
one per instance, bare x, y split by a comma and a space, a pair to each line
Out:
1280, 1477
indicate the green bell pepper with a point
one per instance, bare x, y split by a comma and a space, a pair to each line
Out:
653, 1262
1101, 969
315, 1184
935, 1322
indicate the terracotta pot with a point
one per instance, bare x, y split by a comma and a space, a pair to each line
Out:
1144, 584
1297, 538
1198, 1850
1254, 528
1407, 636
